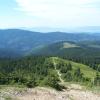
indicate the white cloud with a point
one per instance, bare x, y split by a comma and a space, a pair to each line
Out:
61, 12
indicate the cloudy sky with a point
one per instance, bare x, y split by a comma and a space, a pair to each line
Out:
49, 13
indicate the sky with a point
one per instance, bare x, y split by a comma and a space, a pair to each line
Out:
49, 13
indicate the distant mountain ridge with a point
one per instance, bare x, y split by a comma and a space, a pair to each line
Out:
81, 29
21, 42
70, 49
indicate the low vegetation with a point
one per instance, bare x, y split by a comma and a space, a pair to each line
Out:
76, 72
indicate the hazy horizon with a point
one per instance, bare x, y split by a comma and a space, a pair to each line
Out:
88, 29
50, 15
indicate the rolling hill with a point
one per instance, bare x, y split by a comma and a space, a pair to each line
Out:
86, 70
66, 48
85, 52
22, 42
40, 69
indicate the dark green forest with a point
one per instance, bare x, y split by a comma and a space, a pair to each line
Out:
86, 52
32, 71
28, 71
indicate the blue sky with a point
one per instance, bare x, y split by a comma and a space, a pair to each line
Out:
49, 13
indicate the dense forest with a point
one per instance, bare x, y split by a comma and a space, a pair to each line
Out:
91, 61
86, 52
28, 71
34, 71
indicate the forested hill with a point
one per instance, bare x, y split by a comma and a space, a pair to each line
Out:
16, 42
86, 52
42, 71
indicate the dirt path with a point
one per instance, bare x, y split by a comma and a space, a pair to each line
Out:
74, 92
58, 72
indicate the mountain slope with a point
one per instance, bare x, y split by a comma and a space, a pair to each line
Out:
39, 70
23, 41
70, 49
86, 70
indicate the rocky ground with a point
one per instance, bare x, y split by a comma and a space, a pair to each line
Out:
74, 92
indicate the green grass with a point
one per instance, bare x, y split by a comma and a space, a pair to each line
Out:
8, 98
19, 88
86, 70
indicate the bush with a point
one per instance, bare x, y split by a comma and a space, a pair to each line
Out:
97, 79
52, 81
68, 76
31, 83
